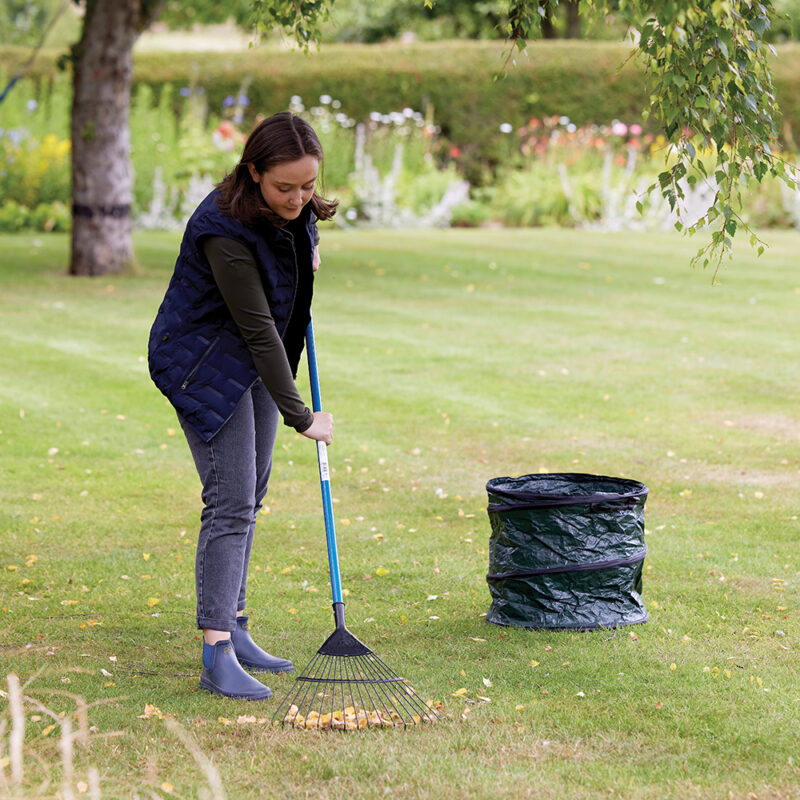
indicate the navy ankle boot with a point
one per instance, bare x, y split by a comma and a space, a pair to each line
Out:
250, 655
222, 674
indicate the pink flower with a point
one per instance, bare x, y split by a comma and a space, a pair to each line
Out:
635, 129
619, 128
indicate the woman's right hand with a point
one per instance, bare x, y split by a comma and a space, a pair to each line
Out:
321, 429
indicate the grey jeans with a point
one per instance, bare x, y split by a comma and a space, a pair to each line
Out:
234, 469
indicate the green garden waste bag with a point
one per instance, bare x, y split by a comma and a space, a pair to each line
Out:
566, 551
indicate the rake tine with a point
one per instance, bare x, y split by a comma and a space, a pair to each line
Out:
359, 687
381, 695
327, 681
374, 668
298, 689
377, 688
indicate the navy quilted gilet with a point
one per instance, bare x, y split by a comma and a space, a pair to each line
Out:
197, 356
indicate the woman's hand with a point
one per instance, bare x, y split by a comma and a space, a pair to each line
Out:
317, 260
321, 429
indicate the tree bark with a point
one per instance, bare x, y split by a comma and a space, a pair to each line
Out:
546, 22
573, 26
101, 171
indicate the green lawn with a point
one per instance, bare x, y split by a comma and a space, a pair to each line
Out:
447, 358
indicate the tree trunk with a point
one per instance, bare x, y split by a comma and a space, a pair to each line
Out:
546, 21
101, 171
573, 27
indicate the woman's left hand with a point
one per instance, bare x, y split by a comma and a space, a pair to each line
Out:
317, 261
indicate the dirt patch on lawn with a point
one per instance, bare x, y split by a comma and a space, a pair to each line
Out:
781, 428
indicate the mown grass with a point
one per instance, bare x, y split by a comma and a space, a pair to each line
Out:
447, 358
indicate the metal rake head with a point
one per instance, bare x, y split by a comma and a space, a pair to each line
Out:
347, 687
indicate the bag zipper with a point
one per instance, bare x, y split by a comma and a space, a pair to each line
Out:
569, 500
595, 565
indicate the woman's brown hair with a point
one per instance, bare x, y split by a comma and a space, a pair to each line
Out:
276, 140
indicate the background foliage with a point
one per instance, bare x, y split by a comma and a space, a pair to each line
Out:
567, 162
455, 80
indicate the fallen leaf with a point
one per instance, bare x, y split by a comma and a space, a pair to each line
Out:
380, 572
459, 692
167, 787
534, 663
153, 601
487, 682
477, 639
146, 556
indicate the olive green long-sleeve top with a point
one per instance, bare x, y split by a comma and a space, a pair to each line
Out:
235, 271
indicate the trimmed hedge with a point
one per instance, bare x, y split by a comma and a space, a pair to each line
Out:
454, 81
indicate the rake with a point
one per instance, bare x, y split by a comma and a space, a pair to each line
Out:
345, 685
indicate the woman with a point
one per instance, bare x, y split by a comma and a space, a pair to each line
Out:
224, 349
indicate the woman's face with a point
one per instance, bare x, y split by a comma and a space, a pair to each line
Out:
287, 187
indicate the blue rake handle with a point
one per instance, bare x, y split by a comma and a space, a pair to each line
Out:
324, 472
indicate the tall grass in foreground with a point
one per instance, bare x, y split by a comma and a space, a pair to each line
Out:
447, 358
71, 781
